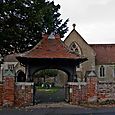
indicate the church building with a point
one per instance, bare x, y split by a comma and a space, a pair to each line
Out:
101, 57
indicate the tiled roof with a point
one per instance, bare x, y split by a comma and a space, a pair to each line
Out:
50, 48
105, 53
10, 58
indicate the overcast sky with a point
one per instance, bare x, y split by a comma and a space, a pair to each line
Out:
94, 19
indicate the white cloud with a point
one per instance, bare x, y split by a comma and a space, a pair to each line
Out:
98, 32
95, 19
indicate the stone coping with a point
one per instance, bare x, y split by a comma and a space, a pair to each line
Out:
76, 83
108, 82
24, 83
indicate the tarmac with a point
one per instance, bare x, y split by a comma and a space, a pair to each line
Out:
61, 108
54, 105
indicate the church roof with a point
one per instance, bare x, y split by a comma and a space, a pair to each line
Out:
74, 30
10, 58
50, 48
105, 53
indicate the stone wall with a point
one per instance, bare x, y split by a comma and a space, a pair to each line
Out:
109, 73
106, 91
86, 50
90, 91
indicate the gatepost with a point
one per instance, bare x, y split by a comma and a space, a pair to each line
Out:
91, 86
8, 88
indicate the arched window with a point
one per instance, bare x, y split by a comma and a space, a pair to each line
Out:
75, 48
102, 71
21, 77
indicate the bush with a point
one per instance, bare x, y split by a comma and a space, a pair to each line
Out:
108, 102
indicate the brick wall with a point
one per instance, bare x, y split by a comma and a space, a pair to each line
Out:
83, 93
8, 91
1, 93
74, 94
15, 94
77, 92
91, 89
23, 94
80, 92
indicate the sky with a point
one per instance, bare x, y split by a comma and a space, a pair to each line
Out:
94, 19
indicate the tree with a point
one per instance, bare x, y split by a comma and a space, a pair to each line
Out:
46, 73
23, 21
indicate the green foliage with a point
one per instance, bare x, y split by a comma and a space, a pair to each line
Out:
47, 72
23, 21
52, 90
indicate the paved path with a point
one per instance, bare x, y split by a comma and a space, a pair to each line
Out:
58, 109
42, 97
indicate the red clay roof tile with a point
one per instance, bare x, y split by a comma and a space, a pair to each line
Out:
105, 53
11, 58
50, 48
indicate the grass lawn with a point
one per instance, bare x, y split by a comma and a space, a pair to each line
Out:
48, 91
